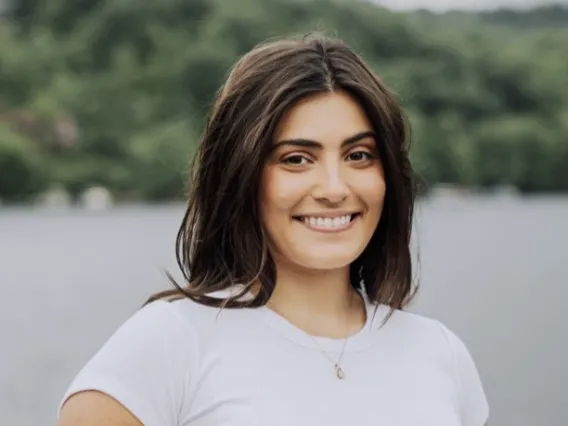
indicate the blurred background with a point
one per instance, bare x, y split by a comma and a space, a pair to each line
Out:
101, 106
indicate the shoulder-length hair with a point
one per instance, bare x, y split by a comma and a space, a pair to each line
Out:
221, 242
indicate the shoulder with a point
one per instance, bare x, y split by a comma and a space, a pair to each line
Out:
157, 323
412, 328
434, 344
201, 317
182, 315
426, 331
147, 364
426, 337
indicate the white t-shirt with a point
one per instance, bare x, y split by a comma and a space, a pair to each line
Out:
183, 364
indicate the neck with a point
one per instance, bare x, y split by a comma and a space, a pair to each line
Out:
320, 302
321, 292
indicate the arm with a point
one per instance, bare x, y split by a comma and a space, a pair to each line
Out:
92, 408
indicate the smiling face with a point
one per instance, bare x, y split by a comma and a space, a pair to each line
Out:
323, 185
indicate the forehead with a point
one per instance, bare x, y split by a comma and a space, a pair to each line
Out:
327, 118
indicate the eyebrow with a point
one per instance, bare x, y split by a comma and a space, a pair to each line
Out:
308, 143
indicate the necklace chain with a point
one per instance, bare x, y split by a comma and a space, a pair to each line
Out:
336, 364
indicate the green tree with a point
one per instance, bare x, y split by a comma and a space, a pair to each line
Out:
487, 99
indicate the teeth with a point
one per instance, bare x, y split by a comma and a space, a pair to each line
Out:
327, 222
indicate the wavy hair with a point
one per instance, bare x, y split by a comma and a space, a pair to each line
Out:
221, 241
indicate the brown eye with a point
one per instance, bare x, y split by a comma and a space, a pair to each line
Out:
359, 156
296, 160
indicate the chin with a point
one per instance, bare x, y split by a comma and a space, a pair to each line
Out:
326, 261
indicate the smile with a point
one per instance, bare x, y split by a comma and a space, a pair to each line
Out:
328, 223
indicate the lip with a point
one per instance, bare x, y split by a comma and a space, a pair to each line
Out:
324, 230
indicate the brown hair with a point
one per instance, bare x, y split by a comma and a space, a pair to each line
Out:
221, 241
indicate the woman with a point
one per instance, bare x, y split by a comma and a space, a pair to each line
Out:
295, 248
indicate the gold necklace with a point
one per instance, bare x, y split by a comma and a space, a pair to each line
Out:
339, 372
336, 364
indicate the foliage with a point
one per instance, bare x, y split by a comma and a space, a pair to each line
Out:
20, 165
115, 92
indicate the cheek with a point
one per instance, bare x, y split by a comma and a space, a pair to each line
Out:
281, 192
371, 188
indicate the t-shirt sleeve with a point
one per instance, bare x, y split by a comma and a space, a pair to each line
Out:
145, 365
474, 406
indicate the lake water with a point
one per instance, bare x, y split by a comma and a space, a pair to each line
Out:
493, 269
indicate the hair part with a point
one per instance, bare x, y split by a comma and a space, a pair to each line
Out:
221, 241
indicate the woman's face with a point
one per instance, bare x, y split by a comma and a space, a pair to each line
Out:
323, 185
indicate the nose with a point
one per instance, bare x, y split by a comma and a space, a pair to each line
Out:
331, 187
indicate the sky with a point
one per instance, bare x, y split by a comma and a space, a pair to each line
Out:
442, 5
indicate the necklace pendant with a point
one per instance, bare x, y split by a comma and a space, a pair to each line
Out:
339, 372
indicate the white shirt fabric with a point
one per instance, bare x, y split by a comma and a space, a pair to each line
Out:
183, 364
